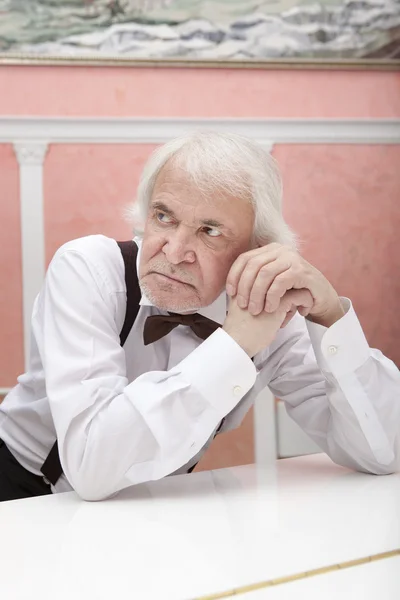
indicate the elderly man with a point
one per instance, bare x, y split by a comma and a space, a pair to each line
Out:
133, 375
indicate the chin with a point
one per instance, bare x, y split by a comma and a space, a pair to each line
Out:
171, 300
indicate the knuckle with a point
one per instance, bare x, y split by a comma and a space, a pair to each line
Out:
255, 262
286, 251
279, 285
297, 268
275, 246
283, 277
291, 255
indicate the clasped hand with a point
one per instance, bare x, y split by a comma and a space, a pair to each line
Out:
267, 286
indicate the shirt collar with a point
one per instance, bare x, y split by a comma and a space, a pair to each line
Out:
215, 311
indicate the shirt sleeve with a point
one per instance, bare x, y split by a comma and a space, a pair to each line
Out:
111, 433
343, 394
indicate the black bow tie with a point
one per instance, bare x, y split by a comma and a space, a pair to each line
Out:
157, 326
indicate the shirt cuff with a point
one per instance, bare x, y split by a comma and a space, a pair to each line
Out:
341, 348
221, 370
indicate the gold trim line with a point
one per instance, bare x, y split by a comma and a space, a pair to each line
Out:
288, 578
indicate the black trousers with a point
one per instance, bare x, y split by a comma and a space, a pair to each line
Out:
15, 481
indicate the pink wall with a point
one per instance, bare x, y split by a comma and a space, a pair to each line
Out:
342, 200
94, 198
11, 336
159, 92
345, 203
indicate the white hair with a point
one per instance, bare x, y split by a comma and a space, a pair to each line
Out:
224, 162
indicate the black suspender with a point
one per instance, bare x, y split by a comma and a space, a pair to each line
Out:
133, 294
52, 469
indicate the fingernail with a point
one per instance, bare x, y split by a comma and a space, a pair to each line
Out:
252, 308
230, 290
241, 301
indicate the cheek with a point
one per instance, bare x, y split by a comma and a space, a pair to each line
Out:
152, 244
219, 266
215, 270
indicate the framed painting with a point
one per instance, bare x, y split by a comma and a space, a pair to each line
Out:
211, 33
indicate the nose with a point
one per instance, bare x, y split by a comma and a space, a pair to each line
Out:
178, 247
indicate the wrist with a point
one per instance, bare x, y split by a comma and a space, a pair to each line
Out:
239, 339
329, 316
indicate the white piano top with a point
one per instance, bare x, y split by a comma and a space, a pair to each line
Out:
195, 535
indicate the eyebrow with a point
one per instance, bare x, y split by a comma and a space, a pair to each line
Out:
208, 222
161, 206
213, 223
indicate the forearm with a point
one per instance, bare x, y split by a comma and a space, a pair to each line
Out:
122, 435
328, 418
347, 401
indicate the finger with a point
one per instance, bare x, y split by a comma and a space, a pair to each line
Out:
238, 266
304, 312
288, 318
300, 300
257, 289
282, 283
290, 279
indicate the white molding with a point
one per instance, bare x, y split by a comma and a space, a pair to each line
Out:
30, 153
30, 156
139, 130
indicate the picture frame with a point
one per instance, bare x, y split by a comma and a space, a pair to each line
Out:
237, 34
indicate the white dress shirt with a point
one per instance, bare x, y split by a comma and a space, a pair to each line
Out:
128, 415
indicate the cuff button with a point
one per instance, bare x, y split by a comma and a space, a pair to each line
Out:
237, 390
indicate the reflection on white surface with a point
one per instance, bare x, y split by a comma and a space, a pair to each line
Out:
366, 582
197, 534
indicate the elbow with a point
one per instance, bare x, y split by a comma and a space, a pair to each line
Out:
90, 481
376, 467
89, 494
386, 461
91, 489
379, 469
93, 475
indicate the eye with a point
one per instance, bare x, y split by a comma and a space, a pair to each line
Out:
163, 217
212, 231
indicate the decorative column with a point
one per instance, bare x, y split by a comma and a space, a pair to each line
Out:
30, 156
265, 429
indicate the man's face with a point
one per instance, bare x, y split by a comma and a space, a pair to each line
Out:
190, 242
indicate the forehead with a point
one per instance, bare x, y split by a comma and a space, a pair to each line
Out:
175, 188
